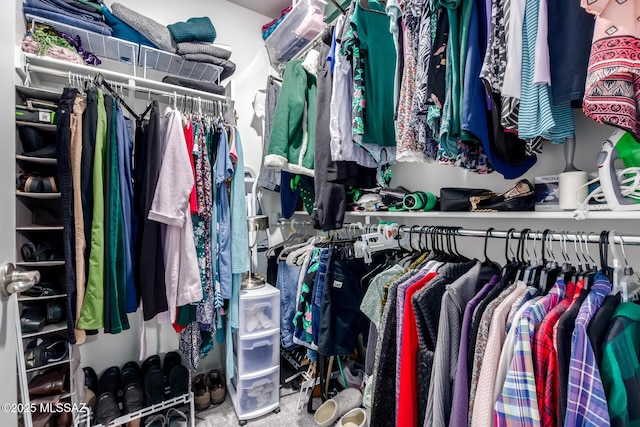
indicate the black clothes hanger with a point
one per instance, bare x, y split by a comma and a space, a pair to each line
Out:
100, 81
603, 247
520, 253
488, 262
567, 270
336, 4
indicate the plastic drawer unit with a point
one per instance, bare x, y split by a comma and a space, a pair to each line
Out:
256, 354
256, 396
259, 310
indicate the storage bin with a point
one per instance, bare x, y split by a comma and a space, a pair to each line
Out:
257, 394
256, 354
299, 27
260, 310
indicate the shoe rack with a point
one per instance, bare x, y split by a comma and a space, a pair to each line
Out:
38, 220
255, 386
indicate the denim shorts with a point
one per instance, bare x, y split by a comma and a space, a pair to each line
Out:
288, 284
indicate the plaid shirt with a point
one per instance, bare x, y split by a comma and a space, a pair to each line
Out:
545, 360
586, 401
517, 403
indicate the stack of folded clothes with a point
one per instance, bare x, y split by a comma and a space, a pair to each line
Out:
269, 28
44, 40
81, 14
193, 39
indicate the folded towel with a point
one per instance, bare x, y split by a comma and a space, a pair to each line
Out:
123, 31
194, 30
218, 50
157, 33
195, 84
228, 67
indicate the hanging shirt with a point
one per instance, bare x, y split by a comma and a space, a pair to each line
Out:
171, 207
223, 170
620, 366
586, 400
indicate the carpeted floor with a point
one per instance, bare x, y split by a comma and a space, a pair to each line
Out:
225, 415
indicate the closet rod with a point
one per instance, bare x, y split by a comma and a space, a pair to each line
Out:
533, 235
138, 84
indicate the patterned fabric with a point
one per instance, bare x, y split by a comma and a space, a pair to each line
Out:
407, 140
473, 158
518, 402
620, 367
495, 60
481, 343
302, 319
586, 403
351, 49
612, 94
545, 361
437, 69
516, 306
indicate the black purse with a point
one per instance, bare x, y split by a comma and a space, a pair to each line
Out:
455, 199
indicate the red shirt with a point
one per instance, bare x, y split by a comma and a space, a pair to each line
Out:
189, 137
545, 360
408, 396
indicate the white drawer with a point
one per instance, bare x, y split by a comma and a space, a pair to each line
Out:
259, 310
256, 394
256, 354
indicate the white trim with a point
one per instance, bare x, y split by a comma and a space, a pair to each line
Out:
298, 169
275, 161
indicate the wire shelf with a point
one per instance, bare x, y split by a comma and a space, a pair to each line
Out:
165, 62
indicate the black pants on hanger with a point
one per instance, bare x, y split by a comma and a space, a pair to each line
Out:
89, 124
65, 179
149, 256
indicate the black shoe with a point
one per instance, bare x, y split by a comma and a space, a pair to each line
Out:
109, 381
106, 408
150, 361
91, 379
42, 351
133, 398
171, 359
154, 385
32, 319
130, 375
179, 381
56, 312
521, 197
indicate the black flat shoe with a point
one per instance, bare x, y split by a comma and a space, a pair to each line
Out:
154, 385
106, 409
150, 361
32, 320
179, 381
56, 312
171, 359
130, 374
109, 381
133, 398
91, 379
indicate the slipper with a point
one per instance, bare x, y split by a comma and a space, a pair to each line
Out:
133, 398
154, 386
179, 381
171, 359
176, 418
333, 409
354, 418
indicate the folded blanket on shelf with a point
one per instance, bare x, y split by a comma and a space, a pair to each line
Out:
123, 31
59, 6
271, 28
284, 11
157, 33
195, 84
194, 30
228, 67
30, 45
85, 5
217, 50
93, 26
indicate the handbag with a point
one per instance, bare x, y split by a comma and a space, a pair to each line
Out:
454, 199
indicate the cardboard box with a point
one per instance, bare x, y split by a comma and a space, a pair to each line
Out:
547, 193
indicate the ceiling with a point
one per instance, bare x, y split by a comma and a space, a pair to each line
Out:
270, 8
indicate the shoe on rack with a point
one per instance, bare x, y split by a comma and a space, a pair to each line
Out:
32, 319
520, 197
171, 359
201, 396
217, 386
130, 374
157, 420
333, 409
354, 418
56, 312
90, 379
154, 385
176, 418
106, 408
149, 362
109, 382
133, 398
42, 351
48, 383
179, 381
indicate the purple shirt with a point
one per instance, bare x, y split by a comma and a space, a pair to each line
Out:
460, 404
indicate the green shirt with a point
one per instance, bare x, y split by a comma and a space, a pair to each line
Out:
620, 370
379, 56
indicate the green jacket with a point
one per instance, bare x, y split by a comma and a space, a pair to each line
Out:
293, 134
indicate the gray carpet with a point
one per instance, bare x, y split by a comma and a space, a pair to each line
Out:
225, 415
